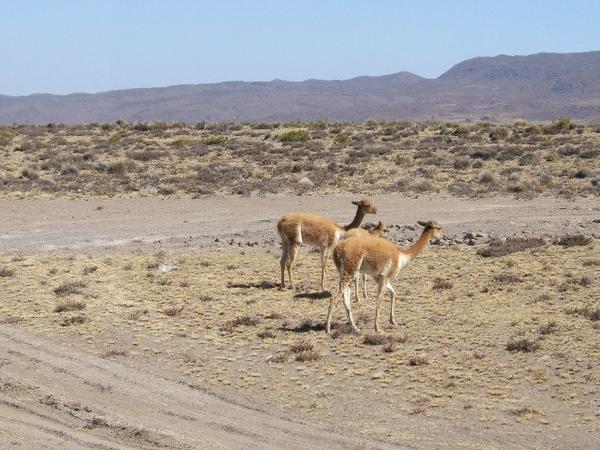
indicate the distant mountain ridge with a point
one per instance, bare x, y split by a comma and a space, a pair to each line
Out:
536, 87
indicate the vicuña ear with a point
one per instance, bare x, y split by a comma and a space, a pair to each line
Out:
423, 224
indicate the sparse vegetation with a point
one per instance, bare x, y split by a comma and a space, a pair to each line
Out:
69, 288
525, 345
5, 272
571, 240
69, 305
503, 247
465, 160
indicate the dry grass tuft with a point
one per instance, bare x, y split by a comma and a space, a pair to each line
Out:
508, 278
274, 316
524, 412
418, 361
375, 339
521, 345
136, 314
383, 339
69, 288
89, 269
549, 327
499, 247
266, 334
173, 310
591, 313
308, 356
572, 240
248, 321
304, 351
73, 320
341, 329
440, 283
302, 346
69, 305
5, 272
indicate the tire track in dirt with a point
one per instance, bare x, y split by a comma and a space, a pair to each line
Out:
52, 400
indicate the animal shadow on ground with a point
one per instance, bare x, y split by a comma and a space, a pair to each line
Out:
313, 295
264, 284
304, 327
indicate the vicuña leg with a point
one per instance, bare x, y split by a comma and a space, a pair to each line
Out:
347, 292
282, 263
364, 281
324, 256
292, 253
380, 296
393, 303
356, 289
332, 304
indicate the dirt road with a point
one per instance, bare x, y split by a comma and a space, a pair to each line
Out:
34, 225
53, 395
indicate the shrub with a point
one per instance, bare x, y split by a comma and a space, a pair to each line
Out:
507, 278
5, 272
521, 345
301, 346
120, 167
145, 155
572, 240
499, 247
498, 134
461, 163
248, 321
29, 174
487, 178
69, 288
418, 361
440, 283
114, 138
74, 320
294, 136
341, 139
548, 328
6, 136
172, 310
215, 140
69, 305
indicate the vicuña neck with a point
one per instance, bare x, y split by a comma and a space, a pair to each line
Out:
421, 244
360, 214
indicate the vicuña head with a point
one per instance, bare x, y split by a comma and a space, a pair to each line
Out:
297, 228
379, 258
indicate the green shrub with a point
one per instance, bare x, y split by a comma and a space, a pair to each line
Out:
294, 136
215, 140
6, 136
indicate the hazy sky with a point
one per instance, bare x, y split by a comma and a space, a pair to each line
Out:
67, 46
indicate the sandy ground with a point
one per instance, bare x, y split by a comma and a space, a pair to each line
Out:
34, 225
55, 392
153, 411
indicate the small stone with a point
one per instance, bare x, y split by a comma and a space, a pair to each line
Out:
305, 181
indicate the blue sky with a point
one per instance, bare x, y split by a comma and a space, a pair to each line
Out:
67, 46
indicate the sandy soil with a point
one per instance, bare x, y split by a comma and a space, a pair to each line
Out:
54, 395
38, 224
57, 391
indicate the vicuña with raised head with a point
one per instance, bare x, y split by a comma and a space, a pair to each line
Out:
297, 228
379, 258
